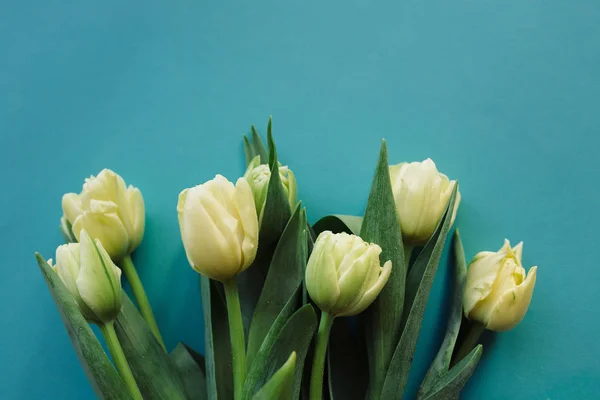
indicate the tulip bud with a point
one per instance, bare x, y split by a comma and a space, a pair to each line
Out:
344, 275
258, 176
108, 210
498, 290
421, 194
91, 277
219, 227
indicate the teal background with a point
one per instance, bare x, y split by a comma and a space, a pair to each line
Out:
503, 95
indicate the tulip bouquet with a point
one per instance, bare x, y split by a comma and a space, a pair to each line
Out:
291, 310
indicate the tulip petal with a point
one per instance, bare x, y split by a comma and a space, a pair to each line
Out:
138, 216
246, 211
67, 266
208, 250
71, 205
106, 227
352, 282
321, 275
512, 305
98, 280
372, 293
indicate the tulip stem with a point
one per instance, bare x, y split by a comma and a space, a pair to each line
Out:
116, 351
140, 297
236, 334
318, 366
471, 338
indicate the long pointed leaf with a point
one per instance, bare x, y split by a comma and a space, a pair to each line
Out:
276, 215
190, 366
441, 363
451, 384
281, 384
219, 376
381, 226
295, 336
155, 374
424, 268
103, 377
283, 278
259, 147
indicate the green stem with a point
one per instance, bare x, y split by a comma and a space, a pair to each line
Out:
471, 338
236, 333
408, 250
318, 367
116, 351
140, 297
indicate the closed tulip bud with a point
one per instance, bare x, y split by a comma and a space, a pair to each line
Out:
344, 275
219, 227
91, 277
498, 290
421, 194
258, 176
108, 210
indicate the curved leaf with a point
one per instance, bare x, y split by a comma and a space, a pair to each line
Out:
283, 278
281, 384
441, 363
190, 366
101, 373
419, 281
295, 336
381, 226
155, 374
339, 223
450, 385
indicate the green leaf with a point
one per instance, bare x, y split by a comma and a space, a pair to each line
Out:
284, 276
103, 377
152, 368
190, 366
441, 363
339, 223
347, 360
248, 150
255, 147
419, 281
286, 336
381, 226
281, 384
259, 147
276, 215
219, 375
451, 384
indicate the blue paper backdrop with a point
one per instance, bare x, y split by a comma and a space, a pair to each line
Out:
501, 94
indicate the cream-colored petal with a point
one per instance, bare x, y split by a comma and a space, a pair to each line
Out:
255, 162
209, 251
138, 217
512, 305
372, 293
518, 252
67, 266
321, 275
71, 205
106, 227
351, 283
248, 219
292, 189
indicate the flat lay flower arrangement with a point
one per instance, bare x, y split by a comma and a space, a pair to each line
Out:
328, 311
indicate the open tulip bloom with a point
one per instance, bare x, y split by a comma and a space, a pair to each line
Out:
272, 286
